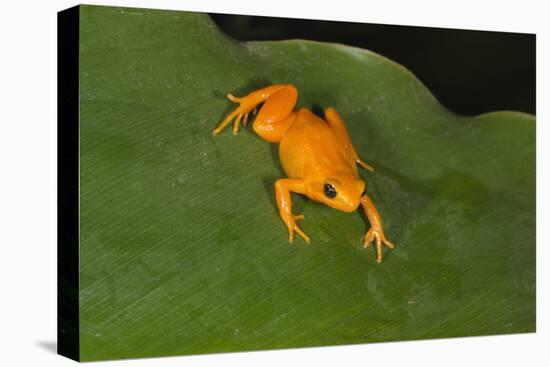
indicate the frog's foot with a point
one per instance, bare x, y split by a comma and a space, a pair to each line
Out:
292, 226
376, 233
240, 114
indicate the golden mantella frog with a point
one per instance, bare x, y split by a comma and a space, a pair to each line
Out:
317, 156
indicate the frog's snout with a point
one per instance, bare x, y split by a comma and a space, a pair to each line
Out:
343, 193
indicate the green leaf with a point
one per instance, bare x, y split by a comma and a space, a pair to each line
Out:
182, 248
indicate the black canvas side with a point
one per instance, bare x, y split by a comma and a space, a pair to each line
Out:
68, 183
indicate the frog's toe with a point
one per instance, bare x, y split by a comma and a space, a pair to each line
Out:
232, 98
388, 243
295, 228
367, 240
378, 236
237, 124
301, 233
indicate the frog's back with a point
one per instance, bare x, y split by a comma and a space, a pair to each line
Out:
310, 147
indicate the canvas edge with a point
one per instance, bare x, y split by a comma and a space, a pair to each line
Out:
68, 157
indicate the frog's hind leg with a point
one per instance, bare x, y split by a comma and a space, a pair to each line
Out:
337, 124
273, 119
276, 115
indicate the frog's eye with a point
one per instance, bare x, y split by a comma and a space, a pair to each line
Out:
330, 192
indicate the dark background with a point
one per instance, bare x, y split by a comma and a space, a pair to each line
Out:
470, 72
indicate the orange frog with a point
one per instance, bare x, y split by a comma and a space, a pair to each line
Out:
317, 156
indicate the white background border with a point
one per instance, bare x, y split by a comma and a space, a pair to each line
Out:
28, 182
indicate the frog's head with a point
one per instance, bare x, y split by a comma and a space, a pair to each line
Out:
342, 192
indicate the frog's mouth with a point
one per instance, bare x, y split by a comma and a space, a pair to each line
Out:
347, 206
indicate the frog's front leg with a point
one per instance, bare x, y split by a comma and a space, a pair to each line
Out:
283, 188
375, 232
